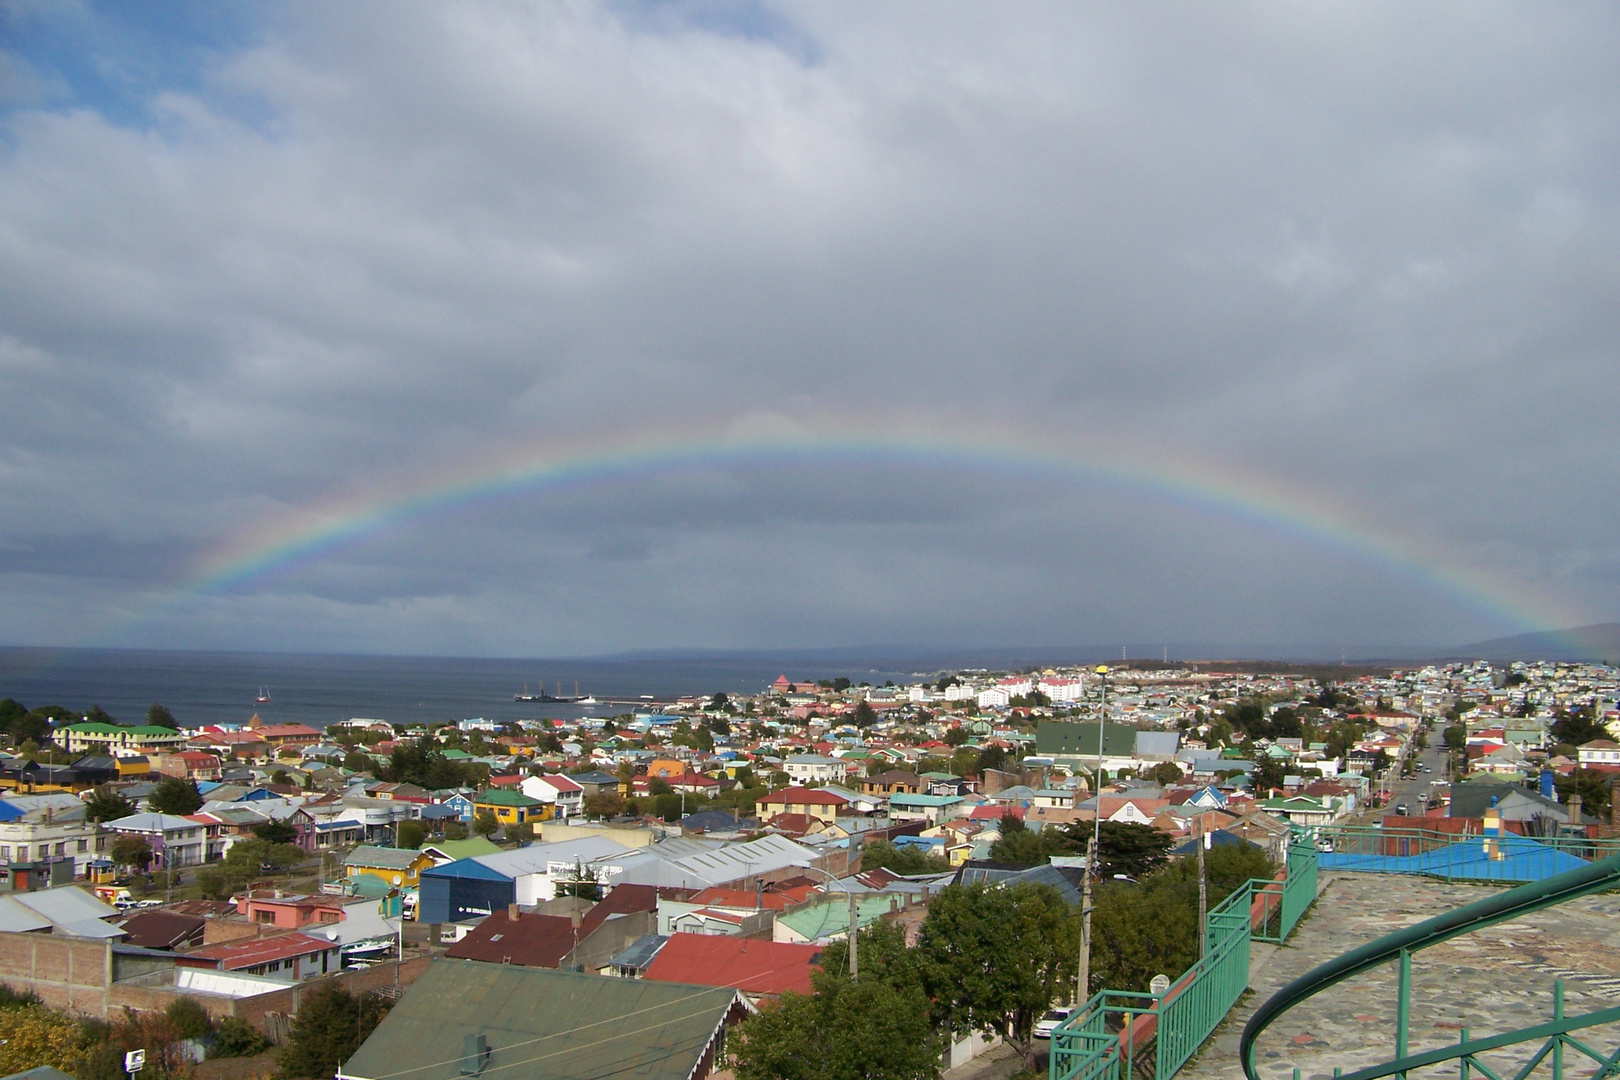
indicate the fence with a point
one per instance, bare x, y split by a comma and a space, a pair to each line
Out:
1118, 1030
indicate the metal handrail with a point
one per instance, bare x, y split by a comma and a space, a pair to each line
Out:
1399, 946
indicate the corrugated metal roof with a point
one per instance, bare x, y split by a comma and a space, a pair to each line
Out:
538, 1022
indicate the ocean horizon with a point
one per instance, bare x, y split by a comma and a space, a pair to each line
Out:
319, 689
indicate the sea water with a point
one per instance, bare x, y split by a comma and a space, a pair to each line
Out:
220, 688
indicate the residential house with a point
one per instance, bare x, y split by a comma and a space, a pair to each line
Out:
759, 969
396, 867
822, 805
49, 826
930, 808
559, 791
113, 739
286, 957
815, 769
893, 781
462, 1018
512, 807
174, 841
587, 938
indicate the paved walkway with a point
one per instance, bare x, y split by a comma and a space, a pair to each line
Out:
1494, 980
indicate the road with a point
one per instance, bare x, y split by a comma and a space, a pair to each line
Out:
1411, 791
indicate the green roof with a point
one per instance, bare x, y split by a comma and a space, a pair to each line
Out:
828, 917
1080, 740
464, 849
370, 886
382, 858
502, 797
537, 1022
92, 728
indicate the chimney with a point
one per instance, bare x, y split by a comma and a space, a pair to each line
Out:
512, 914
1574, 809
574, 917
474, 1054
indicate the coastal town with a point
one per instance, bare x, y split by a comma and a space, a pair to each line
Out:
734, 842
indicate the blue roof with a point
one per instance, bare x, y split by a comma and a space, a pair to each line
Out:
466, 868
8, 812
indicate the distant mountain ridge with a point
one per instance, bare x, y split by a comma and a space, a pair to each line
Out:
1599, 643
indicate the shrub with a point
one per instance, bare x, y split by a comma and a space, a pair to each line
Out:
238, 1038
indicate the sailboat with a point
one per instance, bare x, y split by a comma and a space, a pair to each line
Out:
264, 696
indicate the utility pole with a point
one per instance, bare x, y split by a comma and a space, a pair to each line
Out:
854, 962
1082, 982
1203, 888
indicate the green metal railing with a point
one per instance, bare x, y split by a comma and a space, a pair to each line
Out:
1117, 1032
1398, 948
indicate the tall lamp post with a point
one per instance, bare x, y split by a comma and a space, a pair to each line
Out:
1082, 982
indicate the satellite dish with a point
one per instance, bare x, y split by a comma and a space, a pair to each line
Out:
398, 880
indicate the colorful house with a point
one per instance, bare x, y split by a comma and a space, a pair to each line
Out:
512, 807
399, 867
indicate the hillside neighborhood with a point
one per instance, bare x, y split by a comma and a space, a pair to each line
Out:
709, 860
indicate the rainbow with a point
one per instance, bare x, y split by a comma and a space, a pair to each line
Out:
307, 534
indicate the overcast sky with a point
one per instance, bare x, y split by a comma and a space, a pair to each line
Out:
258, 258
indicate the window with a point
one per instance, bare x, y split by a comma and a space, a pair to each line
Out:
61, 849
266, 917
22, 852
5, 852
84, 845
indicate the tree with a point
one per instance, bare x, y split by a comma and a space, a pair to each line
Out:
877, 1028
1578, 727
329, 1027
957, 737
1267, 774
245, 861
484, 823
98, 715
188, 1016
1166, 773
1591, 785
174, 795
1123, 847
236, 1037
902, 860
521, 833
355, 761
33, 1036
604, 804
132, 851
995, 958
1456, 737
865, 715
105, 804
160, 716
455, 830
410, 834
992, 757
275, 832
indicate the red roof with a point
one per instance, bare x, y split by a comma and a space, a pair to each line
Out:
804, 797
559, 782
748, 899
752, 966
535, 940
245, 954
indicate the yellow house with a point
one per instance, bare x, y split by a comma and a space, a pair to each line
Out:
133, 765
385, 864
512, 807
667, 768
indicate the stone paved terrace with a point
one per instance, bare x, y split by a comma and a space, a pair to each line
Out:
1494, 980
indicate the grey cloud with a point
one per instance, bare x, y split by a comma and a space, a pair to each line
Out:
1365, 252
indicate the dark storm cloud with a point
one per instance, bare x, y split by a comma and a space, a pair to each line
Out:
1360, 251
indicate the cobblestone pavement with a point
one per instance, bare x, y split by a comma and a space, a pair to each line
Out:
1494, 980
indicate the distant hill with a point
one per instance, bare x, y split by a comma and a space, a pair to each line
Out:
1600, 643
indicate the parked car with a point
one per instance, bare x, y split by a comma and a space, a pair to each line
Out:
1048, 1023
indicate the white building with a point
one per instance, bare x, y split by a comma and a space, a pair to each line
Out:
815, 769
557, 790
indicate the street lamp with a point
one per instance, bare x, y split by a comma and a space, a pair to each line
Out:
1082, 980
